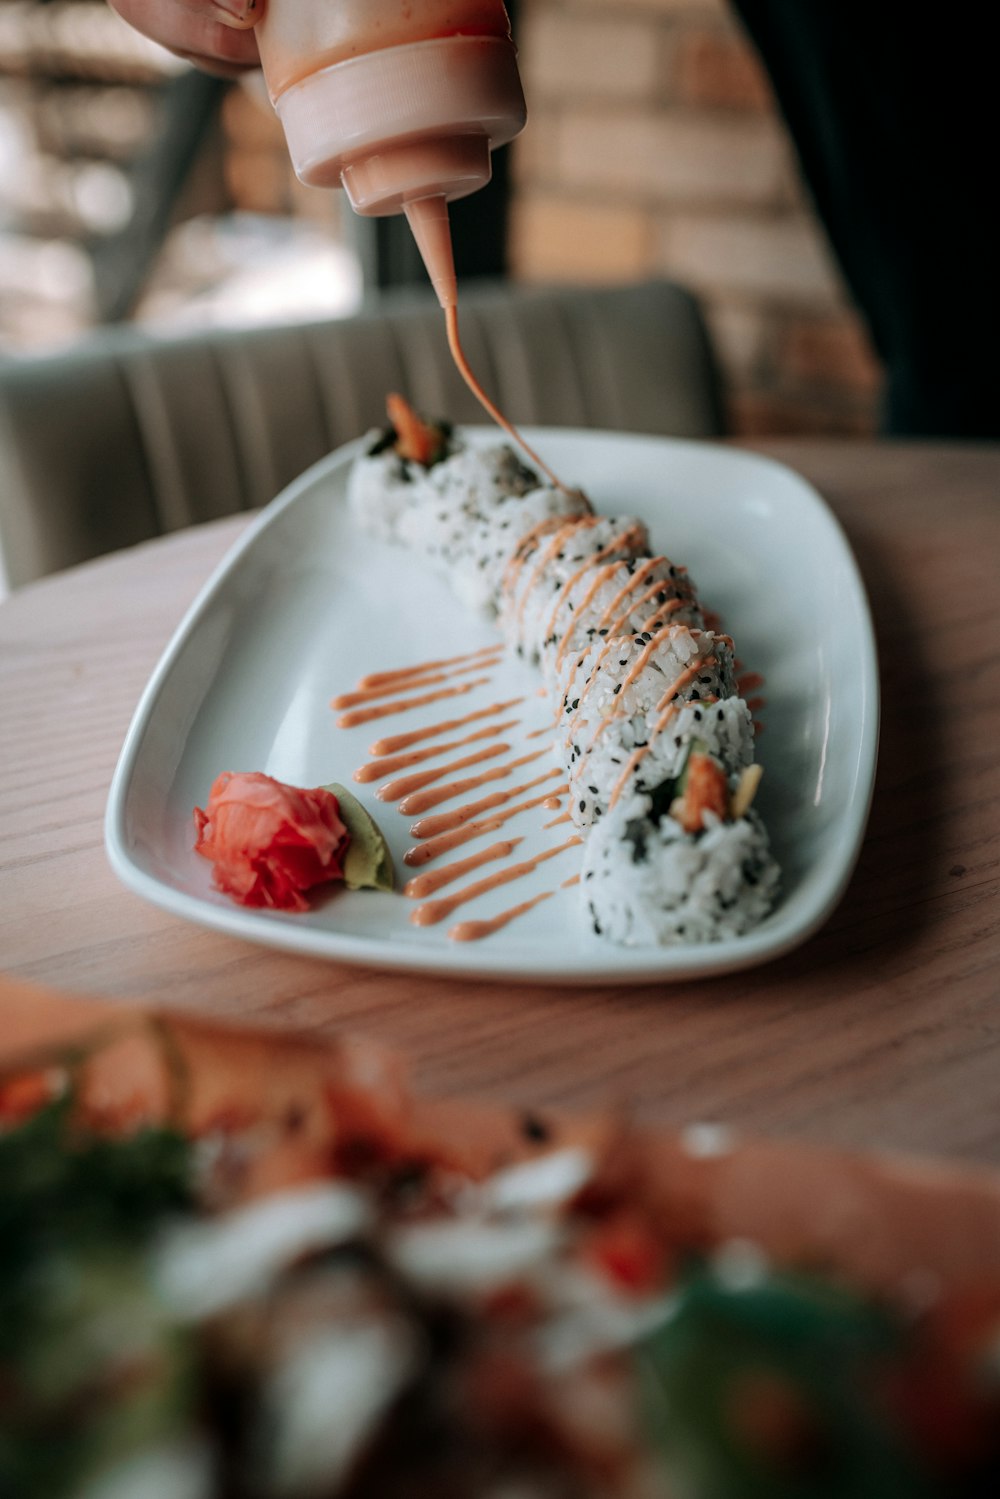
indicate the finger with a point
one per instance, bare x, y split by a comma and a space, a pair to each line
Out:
238, 14
197, 33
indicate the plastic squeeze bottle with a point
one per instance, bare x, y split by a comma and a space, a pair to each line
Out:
399, 101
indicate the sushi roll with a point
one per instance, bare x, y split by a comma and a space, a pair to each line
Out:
491, 542
631, 757
386, 480
636, 674
686, 863
621, 597
551, 561
456, 496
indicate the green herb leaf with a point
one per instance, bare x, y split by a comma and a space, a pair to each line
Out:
93, 1369
777, 1390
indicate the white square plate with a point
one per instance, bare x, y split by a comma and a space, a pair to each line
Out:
305, 604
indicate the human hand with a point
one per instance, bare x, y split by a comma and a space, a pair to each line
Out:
215, 35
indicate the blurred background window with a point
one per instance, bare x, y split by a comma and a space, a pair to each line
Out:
133, 187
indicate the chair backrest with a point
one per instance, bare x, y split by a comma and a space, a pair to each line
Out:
130, 436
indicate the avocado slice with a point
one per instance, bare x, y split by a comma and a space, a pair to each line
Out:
368, 864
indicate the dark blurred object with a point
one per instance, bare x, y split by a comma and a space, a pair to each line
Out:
128, 437
892, 111
122, 262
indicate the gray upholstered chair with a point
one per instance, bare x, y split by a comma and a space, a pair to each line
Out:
130, 436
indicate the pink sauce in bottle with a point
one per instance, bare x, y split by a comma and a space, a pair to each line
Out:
401, 103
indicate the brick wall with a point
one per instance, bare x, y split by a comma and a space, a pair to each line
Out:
653, 147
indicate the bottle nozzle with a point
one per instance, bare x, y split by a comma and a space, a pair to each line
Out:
428, 218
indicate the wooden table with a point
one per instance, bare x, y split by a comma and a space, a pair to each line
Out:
883, 1030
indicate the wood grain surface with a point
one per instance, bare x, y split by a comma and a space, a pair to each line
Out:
883, 1030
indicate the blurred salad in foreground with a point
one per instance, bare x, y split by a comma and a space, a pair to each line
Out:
257, 1274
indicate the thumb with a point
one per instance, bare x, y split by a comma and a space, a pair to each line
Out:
239, 14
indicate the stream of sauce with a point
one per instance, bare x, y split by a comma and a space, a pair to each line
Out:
464, 369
